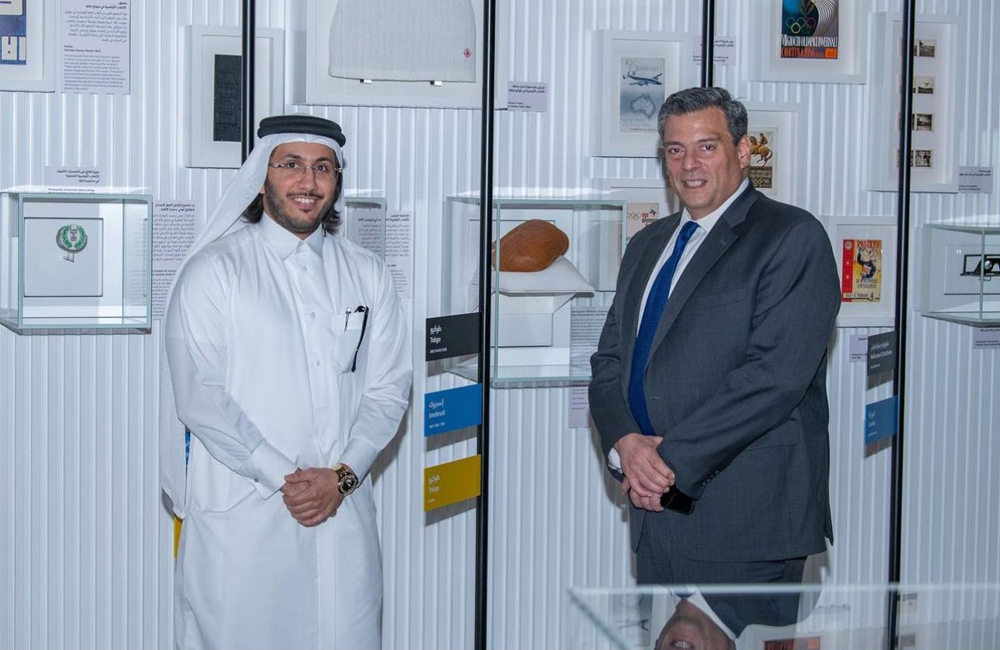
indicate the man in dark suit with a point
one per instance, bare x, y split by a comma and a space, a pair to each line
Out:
708, 386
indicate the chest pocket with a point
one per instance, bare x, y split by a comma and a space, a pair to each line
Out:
351, 345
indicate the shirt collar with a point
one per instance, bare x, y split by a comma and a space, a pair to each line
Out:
284, 242
709, 220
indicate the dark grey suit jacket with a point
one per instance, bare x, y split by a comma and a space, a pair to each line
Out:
736, 381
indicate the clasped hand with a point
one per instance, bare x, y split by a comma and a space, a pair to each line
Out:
312, 495
647, 477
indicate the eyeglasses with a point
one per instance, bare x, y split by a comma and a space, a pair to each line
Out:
293, 168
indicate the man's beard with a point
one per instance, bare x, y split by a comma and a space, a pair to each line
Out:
275, 206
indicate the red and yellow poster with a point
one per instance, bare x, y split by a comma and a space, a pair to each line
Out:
861, 270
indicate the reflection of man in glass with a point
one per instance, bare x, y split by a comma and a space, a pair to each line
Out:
691, 628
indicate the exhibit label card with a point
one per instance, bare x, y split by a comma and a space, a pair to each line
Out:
579, 407
528, 96
96, 46
975, 180
881, 358
453, 409
68, 179
986, 338
173, 235
399, 252
859, 348
881, 419
452, 336
723, 50
452, 482
585, 327
14, 32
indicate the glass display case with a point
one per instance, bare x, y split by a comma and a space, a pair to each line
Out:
960, 273
546, 320
789, 617
75, 263
364, 223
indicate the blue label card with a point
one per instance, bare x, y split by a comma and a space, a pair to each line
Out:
455, 408
880, 420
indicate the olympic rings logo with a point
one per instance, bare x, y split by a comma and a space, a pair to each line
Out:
802, 24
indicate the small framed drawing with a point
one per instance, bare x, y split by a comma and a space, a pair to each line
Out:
774, 135
865, 250
210, 128
28, 45
821, 41
388, 53
646, 200
636, 72
933, 159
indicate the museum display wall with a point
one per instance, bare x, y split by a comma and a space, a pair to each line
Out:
86, 547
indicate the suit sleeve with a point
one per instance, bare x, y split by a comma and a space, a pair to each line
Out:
797, 300
608, 407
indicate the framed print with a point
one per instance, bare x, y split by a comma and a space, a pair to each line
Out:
773, 130
388, 53
637, 71
646, 201
818, 41
865, 250
935, 147
28, 45
210, 129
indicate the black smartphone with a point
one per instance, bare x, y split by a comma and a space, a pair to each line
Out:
677, 501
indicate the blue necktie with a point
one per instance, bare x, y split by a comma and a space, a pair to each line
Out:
655, 304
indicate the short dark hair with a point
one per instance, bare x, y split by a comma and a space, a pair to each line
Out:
691, 100
330, 221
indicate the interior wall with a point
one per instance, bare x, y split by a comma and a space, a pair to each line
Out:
85, 546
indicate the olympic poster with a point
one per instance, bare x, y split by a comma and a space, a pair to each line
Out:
763, 167
640, 93
861, 270
810, 29
13, 32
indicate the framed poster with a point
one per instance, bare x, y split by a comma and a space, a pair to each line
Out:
818, 41
646, 201
388, 53
934, 152
865, 250
774, 132
28, 45
210, 128
637, 71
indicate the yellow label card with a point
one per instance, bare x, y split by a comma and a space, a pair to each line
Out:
452, 482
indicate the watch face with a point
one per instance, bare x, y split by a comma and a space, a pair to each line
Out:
349, 483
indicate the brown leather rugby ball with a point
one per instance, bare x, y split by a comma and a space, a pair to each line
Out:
530, 246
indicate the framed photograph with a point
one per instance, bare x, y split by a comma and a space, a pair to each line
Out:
865, 250
818, 41
211, 112
636, 72
388, 53
28, 51
773, 130
935, 147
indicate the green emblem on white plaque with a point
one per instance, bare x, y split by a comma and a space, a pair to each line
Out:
72, 239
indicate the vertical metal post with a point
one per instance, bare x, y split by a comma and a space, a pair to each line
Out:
707, 43
249, 28
902, 307
486, 318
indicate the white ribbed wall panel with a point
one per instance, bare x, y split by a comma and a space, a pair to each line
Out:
85, 548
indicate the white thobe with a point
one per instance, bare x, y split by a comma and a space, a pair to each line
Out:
262, 336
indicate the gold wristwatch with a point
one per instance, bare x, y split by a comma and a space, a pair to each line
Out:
347, 479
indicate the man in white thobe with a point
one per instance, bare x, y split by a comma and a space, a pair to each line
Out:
290, 367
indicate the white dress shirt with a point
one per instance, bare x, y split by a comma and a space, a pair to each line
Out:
705, 225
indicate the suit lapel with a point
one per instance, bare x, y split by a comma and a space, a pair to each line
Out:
716, 243
637, 286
